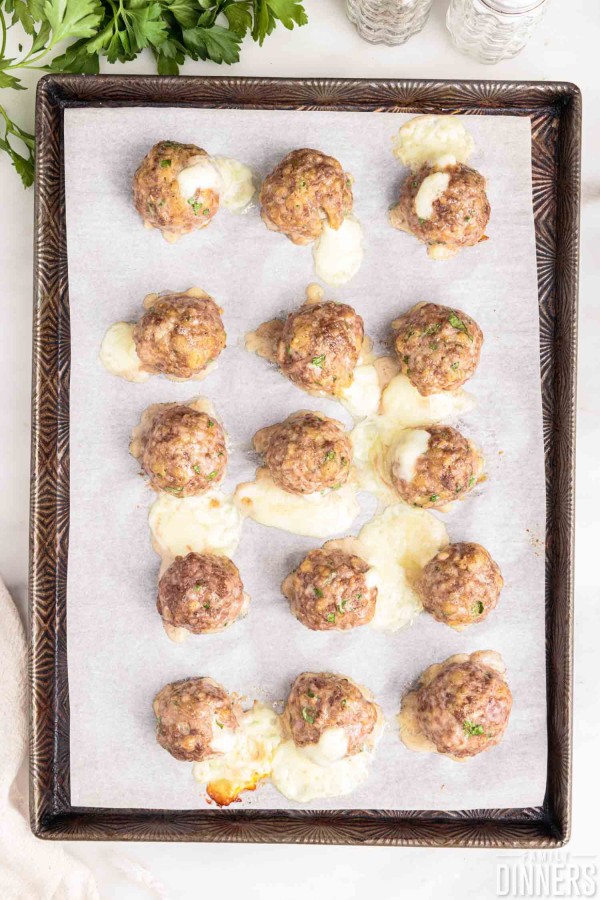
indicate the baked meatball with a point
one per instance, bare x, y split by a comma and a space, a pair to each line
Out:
321, 701
320, 345
329, 591
305, 189
460, 585
179, 335
157, 193
191, 715
447, 469
201, 592
438, 347
307, 453
184, 451
464, 709
459, 213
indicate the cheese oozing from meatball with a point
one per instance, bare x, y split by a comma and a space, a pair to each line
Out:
363, 395
320, 514
438, 140
431, 189
402, 407
118, 354
245, 756
229, 178
299, 778
209, 522
410, 445
396, 544
338, 254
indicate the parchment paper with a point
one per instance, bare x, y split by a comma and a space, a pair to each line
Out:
118, 653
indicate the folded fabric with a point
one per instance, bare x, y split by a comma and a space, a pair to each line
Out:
30, 869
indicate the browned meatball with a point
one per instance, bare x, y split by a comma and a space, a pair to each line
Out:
460, 214
320, 346
201, 592
328, 591
438, 347
179, 335
190, 713
319, 701
306, 188
184, 452
307, 453
157, 196
460, 585
447, 470
464, 709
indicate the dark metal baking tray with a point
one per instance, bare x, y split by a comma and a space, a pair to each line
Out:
555, 113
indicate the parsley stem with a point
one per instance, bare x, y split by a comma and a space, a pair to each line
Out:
3, 24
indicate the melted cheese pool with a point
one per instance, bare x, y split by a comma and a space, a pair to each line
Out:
338, 254
247, 759
437, 140
312, 515
210, 522
298, 778
118, 354
397, 544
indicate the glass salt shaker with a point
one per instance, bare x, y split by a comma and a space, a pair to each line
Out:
388, 21
491, 30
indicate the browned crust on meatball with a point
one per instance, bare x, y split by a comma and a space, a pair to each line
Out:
179, 335
156, 193
449, 469
319, 701
328, 591
464, 709
308, 452
460, 585
438, 347
460, 216
304, 187
185, 711
201, 592
320, 345
184, 451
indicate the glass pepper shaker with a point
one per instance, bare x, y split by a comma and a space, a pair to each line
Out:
491, 30
388, 21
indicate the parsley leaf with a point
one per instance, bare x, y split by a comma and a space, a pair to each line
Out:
308, 715
471, 728
458, 323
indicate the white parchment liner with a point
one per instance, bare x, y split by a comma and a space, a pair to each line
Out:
118, 653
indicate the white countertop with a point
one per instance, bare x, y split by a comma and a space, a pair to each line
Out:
565, 48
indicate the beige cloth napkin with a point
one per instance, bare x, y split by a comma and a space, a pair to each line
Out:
30, 869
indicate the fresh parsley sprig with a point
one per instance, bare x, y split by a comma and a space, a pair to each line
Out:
119, 30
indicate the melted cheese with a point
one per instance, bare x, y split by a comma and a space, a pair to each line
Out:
210, 522
437, 140
431, 189
237, 182
247, 760
402, 406
404, 455
299, 778
313, 515
200, 175
229, 178
363, 395
331, 747
397, 544
338, 254
118, 354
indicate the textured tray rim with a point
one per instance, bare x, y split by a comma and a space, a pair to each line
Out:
555, 111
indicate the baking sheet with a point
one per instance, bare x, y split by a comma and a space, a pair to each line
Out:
117, 651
